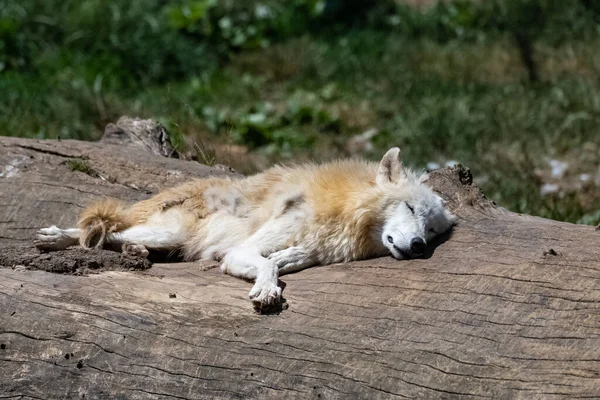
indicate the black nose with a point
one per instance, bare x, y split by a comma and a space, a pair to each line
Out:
417, 246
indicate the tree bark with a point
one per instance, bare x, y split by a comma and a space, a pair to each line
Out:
506, 306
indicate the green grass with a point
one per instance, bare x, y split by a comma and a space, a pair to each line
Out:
447, 83
78, 164
454, 101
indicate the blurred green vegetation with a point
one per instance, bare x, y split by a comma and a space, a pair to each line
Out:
503, 86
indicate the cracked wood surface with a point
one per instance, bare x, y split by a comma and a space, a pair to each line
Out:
507, 306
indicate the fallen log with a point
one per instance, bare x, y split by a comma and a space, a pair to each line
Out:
506, 306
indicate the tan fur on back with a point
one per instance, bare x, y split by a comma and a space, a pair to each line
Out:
340, 194
347, 205
190, 196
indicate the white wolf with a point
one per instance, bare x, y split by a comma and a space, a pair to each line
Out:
279, 221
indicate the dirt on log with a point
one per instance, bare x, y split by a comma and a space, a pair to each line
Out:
507, 306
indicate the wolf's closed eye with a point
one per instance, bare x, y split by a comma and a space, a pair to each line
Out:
411, 208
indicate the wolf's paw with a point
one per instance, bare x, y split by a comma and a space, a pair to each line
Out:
136, 250
265, 294
292, 259
52, 239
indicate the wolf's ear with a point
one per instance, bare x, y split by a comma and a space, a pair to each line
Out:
390, 168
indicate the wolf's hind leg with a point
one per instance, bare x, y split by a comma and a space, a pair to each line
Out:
54, 238
137, 250
149, 236
167, 230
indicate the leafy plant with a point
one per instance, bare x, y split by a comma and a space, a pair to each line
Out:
81, 165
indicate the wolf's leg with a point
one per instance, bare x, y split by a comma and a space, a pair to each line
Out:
248, 263
292, 259
150, 236
54, 238
166, 230
246, 260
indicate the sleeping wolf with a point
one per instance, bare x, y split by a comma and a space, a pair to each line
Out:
279, 221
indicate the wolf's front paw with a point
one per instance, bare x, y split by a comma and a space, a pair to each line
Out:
265, 294
52, 239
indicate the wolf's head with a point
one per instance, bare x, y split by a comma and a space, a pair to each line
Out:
413, 213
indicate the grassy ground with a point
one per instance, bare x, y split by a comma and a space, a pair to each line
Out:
468, 98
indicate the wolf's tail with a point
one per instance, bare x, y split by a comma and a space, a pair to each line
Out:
99, 220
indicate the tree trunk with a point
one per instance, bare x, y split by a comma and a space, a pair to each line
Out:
507, 306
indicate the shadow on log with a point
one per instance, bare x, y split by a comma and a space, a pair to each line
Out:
507, 307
